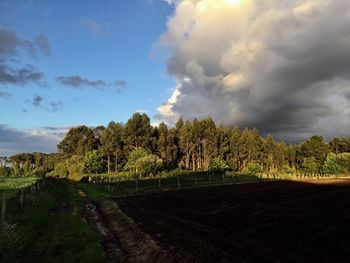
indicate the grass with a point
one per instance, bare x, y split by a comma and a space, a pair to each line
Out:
15, 183
49, 229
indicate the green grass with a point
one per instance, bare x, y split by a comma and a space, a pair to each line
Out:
49, 228
14, 183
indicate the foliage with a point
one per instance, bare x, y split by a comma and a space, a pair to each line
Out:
94, 162
218, 164
190, 145
311, 165
136, 154
140, 161
5, 171
288, 170
252, 169
343, 160
331, 165
149, 164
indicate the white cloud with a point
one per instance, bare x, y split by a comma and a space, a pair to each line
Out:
271, 64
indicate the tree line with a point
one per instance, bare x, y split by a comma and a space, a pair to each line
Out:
198, 145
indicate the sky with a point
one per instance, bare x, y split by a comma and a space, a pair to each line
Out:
280, 66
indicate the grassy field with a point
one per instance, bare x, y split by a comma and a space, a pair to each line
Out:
14, 183
49, 228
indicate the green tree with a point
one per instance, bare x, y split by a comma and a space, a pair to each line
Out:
252, 169
112, 144
331, 165
94, 162
343, 159
78, 141
311, 165
136, 154
149, 164
218, 164
138, 131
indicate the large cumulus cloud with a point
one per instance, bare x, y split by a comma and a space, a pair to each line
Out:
280, 66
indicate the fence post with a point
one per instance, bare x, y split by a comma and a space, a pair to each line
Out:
3, 208
178, 181
21, 198
137, 183
159, 183
223, 178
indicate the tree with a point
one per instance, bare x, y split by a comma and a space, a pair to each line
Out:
94, 162
136, 154
138, 131
331, 165
149, 164
315, 147
218, 165
343, 159
112, 144
252, 169
311, 165
78, 141
141, 162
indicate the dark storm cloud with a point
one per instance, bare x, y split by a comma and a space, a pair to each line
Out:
283, 68
80, 82
14, 141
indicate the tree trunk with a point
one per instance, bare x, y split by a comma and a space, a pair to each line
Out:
116, 162
109, 164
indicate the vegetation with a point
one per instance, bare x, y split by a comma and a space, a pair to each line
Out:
49, 228
198, 145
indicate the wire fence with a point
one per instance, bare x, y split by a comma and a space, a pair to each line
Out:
133, 184
13, 201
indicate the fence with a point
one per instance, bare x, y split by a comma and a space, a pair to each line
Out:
131, 184
14, 200
136, 184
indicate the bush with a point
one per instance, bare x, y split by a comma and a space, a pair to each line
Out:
251, 169
311, 165
287, 169
331, 165
218, 165
94, 162
5, 171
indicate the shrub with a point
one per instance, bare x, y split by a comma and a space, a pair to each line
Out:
252, 169
331, 165
218, 165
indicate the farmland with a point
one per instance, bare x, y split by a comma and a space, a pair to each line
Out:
264, 222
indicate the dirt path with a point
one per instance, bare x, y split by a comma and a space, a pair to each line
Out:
121, 237
109, 241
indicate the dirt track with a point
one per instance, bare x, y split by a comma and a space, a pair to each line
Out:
266, 222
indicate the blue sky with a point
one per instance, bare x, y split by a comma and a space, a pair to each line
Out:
96, 40
102, 40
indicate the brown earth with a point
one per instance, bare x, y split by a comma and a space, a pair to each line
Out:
263, 222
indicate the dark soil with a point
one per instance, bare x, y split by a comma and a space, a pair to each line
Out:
263, 222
